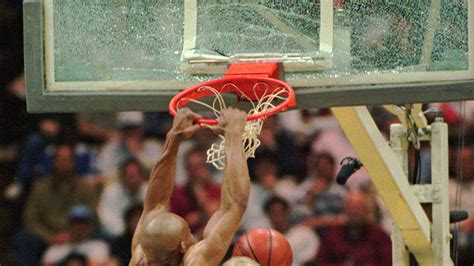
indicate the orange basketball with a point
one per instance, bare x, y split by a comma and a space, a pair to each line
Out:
266, 246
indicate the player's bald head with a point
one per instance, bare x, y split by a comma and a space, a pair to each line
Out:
241, 261
163, 235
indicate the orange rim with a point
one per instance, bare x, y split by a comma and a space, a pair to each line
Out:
221, 85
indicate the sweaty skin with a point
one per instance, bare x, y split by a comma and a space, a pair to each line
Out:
163, 238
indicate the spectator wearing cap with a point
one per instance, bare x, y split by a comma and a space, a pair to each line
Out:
130, 143
120, 195
81, 225
45, 217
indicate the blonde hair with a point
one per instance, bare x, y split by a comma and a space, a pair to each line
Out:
241, 261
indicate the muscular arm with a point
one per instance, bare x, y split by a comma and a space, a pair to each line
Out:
236, 185
161, 183
162, 175
234, 196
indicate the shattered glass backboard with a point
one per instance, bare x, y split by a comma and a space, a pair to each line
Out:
363, 50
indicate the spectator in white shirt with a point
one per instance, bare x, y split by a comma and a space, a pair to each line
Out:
131, 143
118, 196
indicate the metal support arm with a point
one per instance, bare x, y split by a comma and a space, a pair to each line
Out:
390, 180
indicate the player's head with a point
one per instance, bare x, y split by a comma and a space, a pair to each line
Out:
165, 238
241, 261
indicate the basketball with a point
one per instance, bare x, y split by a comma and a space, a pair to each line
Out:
266, 246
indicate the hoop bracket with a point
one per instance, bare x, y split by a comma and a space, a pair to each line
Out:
260, 70
256, 82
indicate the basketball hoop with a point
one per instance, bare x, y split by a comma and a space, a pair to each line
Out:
255, 83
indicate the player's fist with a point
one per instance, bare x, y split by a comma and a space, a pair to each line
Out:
183, 123
231, 120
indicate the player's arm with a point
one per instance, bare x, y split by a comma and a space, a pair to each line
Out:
235, 189
161, 183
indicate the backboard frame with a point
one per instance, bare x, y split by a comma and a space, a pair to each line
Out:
141, 96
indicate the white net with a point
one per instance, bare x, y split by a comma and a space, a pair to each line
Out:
268, 100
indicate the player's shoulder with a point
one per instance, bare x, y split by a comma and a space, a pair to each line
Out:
138, 257
197, 261
195, 255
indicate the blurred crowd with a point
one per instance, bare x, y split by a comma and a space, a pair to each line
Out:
72, 185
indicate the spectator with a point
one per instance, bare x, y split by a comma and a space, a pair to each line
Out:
203, 138
324, 198
261, 188
118, 196
462, 174
157, 124
122, 246
461, 197
12, 110
75, 259
29, 167
305, 123
81, 226
96, 128
359, 240
302, 239
130, 144
334, 142
199, 198
280, 145
37, 157
46, 210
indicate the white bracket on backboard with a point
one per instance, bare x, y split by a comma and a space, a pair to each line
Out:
196, 60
